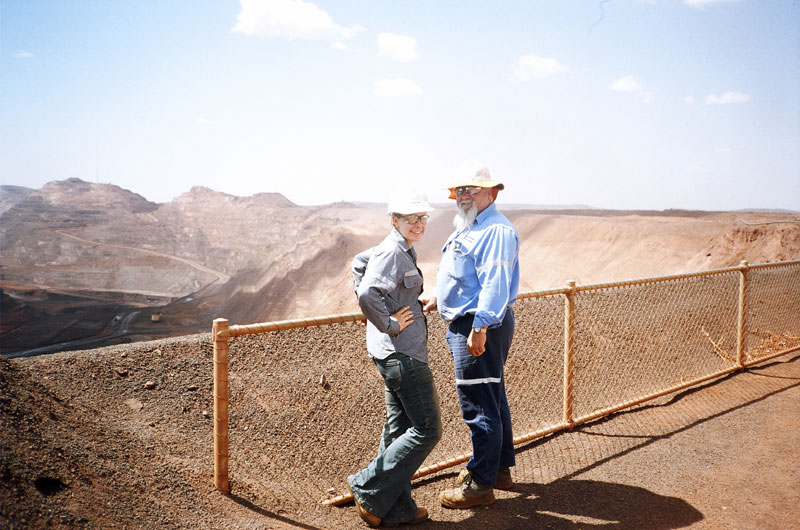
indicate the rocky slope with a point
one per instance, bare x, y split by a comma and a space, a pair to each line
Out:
86, 264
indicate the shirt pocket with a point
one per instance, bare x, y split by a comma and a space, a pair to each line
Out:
462, 262
412, 280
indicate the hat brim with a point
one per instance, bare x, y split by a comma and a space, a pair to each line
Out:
482, 183
412, 210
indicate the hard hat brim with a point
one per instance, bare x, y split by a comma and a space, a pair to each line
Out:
466, 182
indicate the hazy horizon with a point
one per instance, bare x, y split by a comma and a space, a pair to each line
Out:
449, 203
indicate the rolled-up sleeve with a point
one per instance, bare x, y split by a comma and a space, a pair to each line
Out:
377, 282
359, 267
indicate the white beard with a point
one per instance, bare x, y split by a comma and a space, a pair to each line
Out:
464, 220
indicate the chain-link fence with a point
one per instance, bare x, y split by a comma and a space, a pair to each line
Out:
306, 403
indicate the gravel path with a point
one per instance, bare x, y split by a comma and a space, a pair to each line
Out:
120, 437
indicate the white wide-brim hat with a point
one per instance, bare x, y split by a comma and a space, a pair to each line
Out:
481, 178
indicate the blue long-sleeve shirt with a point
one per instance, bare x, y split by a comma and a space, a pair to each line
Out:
479, 271
386, 279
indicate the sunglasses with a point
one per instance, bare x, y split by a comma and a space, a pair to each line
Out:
414, 219
471, 190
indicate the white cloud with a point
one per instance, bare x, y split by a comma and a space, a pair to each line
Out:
201, 121
399, 47
22, 54
625, 84
339, 45
389, 88
293, 19
689, 99
727, 98
530, 67
704, 3
632, 86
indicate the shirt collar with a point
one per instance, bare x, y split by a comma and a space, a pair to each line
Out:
485, 213
398, 237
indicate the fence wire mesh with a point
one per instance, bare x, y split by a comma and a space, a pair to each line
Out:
306, 405
634, 340
773, 304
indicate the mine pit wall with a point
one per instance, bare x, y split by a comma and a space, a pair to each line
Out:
306, 405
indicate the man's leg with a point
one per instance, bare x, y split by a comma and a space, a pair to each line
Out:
481, 392
500, 339
478, 382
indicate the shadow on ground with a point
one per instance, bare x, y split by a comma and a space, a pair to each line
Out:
569, 503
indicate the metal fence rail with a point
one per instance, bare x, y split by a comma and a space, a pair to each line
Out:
305, 391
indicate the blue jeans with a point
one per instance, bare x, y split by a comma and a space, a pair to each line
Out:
481, 387
413, 427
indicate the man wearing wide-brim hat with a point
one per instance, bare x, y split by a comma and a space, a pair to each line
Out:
480, 179
476, 286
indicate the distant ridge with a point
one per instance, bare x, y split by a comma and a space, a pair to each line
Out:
767, 210
11, 195
202, 192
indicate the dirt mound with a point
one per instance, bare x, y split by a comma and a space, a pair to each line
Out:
73, 437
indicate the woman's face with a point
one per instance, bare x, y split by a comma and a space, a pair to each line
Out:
412, 232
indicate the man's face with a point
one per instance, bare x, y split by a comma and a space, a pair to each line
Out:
481, 200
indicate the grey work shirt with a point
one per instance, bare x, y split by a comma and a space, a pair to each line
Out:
386, 279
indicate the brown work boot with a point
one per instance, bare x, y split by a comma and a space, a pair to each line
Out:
371, 519
422, 515
468, 494
504, 480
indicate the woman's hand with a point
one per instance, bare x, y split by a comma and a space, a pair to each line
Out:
404, 317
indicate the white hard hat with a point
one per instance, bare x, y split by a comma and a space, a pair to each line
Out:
410, 202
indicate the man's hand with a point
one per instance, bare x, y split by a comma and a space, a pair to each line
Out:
476, 343
404, 317
428, 304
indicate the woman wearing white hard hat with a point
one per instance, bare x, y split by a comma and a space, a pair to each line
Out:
388, 284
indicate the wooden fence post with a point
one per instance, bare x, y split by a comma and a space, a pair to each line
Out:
740, 335
220, 404
569, 351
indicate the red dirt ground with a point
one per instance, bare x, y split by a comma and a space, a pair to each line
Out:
721, 456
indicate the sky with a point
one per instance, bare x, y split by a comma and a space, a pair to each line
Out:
618, 104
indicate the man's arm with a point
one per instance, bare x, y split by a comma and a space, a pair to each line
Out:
496, 258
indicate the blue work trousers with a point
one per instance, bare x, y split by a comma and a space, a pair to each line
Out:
413, 427
481, 387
